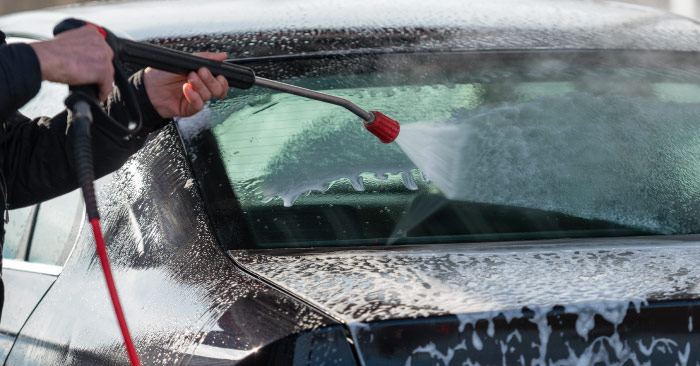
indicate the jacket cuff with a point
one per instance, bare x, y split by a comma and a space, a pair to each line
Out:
20, 67
150, 117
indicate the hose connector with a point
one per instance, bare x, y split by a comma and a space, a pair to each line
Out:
385, 128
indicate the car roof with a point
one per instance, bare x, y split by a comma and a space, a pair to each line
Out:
446, 24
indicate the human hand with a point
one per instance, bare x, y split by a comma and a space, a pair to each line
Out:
174, 95
77, 57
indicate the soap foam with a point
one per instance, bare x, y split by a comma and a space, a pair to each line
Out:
627, 160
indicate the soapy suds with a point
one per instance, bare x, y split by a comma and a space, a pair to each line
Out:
432, 350
476, 342
596, 352
471, 318
690, 323
136, 230
662, 344
515, 335
329, 149
370, 286
613, 312
570, 154
608, 279
543, 330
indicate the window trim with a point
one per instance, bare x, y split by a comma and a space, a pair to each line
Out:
26, 237
25, 244
21, 265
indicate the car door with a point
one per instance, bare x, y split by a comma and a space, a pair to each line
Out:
39, 240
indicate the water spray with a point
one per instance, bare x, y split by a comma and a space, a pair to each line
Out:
82, 103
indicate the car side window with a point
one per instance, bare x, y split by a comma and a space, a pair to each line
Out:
56, 228
17, 231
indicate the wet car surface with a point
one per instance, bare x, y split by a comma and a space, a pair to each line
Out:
273, 230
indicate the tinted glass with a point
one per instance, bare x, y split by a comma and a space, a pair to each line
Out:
17, 231
57, 225
531, 148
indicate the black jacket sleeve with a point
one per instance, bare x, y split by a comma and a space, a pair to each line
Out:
37, 156
20, 76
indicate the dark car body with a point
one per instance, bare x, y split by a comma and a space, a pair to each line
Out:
199, 289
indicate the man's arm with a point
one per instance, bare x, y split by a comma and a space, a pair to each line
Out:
37, 156
76, 57
20, 77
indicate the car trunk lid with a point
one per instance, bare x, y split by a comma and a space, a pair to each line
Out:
618, 300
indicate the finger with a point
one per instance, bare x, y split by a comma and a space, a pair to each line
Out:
218, 56
224, 86
103, 69
210, 82
107, 83
109, 50
85, 32
194, 100
105, 91
199, 86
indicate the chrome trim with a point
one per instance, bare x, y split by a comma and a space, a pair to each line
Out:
23, 251
47, 269
311, 94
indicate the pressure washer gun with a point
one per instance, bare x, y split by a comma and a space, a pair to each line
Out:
82, 102
240, 77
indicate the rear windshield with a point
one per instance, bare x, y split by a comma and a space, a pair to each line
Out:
552, 146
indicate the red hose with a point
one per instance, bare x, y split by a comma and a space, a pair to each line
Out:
102, 253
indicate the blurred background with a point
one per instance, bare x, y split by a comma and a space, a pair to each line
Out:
687, 8
11, 6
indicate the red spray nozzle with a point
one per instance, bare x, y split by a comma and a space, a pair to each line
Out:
385, 128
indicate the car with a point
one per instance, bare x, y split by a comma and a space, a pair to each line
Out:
539, 206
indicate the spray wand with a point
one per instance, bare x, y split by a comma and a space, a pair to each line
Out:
241, 77
82, 102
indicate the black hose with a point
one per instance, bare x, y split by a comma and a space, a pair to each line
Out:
79, 133
80, 102
81, 137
